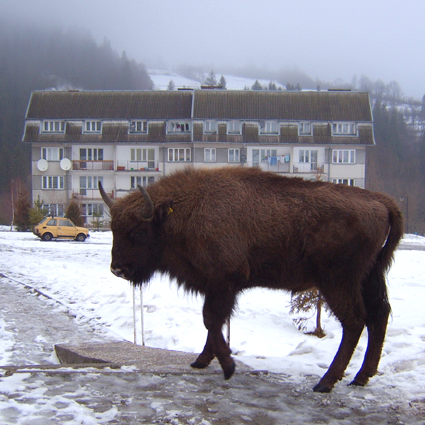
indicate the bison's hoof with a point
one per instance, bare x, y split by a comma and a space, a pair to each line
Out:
198, 365
319, 388
356, 383
229, 371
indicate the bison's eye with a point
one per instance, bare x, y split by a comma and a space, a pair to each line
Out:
137, 234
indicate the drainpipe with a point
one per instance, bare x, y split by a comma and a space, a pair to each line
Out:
329, 162
164, 152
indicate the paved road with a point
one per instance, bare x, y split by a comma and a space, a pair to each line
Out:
37, 391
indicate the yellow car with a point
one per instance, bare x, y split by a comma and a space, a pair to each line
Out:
60, 228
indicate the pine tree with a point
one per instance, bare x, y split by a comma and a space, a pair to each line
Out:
257, 85
37, 212
73, 212
211, 80
97, 221
307, 302
21, 207
171, 86
223, 83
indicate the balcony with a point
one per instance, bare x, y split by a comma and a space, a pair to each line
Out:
123, 165
312, 168
92, 165
308, 168
90, 194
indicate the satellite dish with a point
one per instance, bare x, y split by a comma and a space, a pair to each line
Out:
42, 165
65, 164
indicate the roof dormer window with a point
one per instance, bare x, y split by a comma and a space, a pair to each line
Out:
54, 126
269, 127
304, 128
234, 127
93, 126
343, 128
138, 126
178, 126
210, 126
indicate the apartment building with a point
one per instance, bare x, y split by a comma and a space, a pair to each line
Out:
126, 138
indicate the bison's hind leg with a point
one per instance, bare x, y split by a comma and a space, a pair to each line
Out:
347, 305
378, 310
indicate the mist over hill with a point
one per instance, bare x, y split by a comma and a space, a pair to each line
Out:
38, 58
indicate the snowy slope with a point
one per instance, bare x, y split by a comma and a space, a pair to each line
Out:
161, 79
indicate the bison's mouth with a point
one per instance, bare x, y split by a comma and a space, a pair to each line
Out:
124, 273
136, 277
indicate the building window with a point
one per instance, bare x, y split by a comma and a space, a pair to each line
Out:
52, 154
349, 182
88, 210
141, 180
209, 155
93, 126
269, 127
210, 126
178, 126
266, 154
343, 128
308, 156
304, 128
234, 127
344, 156
143, 155
138, 126
54, 126
234, 155
89, 182
52, 182
54, 210
179, 155
91, 154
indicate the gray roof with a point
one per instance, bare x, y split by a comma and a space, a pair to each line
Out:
283, 105
214, 104
109, 105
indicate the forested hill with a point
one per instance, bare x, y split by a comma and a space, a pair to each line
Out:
37, 58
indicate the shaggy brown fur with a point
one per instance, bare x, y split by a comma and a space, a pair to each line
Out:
222, 231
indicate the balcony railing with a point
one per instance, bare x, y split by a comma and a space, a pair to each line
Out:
123, 165
91, 193
286, 167
308, 168
92, 165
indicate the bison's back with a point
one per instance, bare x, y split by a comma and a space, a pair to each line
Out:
263, 227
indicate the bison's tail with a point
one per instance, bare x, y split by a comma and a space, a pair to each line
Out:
375, 294
395, 234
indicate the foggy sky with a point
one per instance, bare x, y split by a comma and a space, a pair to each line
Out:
327, 39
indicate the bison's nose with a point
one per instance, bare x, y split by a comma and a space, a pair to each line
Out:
119, 272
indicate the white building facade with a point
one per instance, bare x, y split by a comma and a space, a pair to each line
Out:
126, 138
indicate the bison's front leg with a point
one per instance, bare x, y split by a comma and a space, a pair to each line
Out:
207, 355
216, 310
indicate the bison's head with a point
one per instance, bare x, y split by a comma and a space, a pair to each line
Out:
136, 225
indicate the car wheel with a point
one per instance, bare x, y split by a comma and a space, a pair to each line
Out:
47, 237
81, 237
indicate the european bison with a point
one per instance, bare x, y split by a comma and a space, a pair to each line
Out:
222, 231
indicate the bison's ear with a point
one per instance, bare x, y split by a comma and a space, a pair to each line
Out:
163, 209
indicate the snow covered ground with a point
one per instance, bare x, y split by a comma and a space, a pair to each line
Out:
262, 331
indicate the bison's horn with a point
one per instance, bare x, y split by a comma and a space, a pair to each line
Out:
108, 201
147, 211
